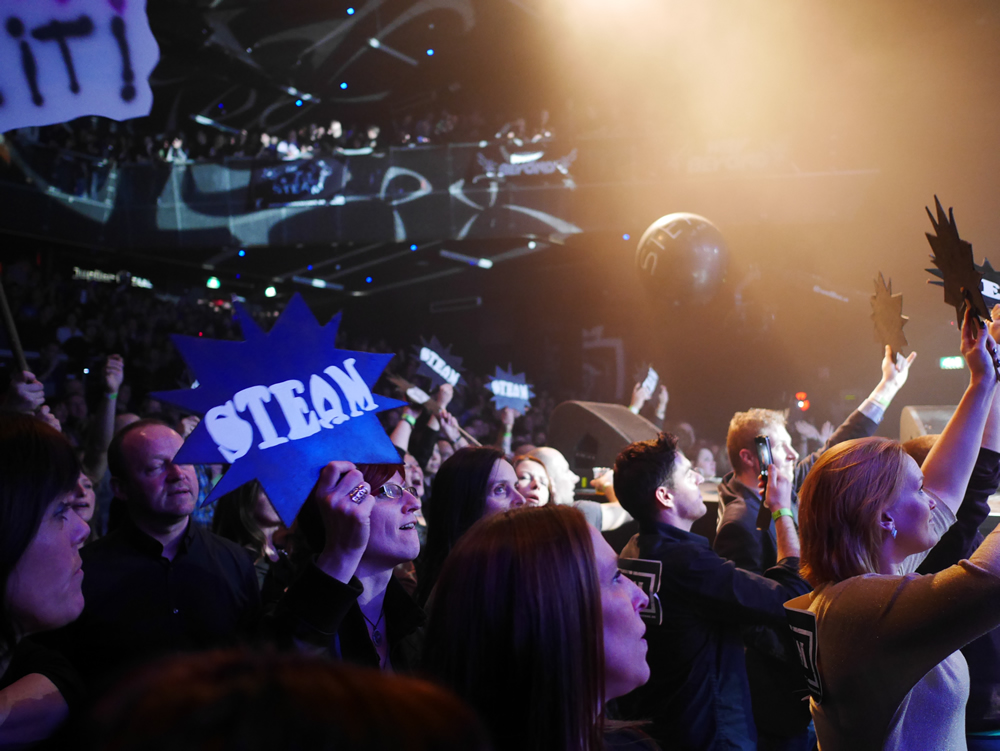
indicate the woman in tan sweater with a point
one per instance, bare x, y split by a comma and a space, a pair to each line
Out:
889, 673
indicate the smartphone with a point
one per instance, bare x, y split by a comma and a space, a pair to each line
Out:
763, 444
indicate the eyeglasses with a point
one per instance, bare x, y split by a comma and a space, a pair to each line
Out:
393, 491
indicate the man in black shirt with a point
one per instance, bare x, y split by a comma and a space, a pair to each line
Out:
698, 696
158, 583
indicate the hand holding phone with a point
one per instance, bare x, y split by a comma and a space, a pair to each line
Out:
763, 445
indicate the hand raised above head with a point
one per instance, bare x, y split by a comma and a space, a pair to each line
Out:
978, 348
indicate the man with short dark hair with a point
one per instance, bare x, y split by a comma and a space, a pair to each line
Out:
159, 583
697, 696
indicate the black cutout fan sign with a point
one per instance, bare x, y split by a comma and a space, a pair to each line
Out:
961, 279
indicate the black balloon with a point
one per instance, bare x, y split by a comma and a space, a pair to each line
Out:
682, 258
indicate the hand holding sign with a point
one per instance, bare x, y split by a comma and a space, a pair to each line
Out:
61, 59
346, 522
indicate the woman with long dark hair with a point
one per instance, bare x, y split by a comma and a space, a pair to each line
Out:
40, 574
474, 482
533, 624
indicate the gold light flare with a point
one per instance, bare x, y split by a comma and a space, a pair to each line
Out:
713, 68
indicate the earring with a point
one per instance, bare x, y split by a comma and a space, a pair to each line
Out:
893, 531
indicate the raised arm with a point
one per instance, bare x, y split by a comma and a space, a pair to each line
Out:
949, 464
95, 458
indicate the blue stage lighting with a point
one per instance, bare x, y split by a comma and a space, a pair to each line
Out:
298, 102
350, 11
343, 84
368, 279
430, 53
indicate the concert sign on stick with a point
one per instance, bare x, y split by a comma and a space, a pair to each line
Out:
438, 363
62, 59
510, 390
887, 313
279, 406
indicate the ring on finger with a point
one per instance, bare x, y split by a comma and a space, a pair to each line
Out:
358, 494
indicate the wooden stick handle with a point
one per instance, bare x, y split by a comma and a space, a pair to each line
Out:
8, 324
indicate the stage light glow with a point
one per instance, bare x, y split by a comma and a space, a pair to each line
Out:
374, 43
413, 247
368, 279
484, 263
350, 11
270, 292
532, 245
626, 236
242, 253
430, 53
309, 267
298, 102
222, 105
343, 84
237, 276
213, 282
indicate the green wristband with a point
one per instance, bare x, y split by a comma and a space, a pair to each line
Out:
410, 419
775, 515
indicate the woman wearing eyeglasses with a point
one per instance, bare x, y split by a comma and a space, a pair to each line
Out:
347, 603
473, 483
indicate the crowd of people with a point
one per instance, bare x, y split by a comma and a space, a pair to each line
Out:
100, 140
467, 596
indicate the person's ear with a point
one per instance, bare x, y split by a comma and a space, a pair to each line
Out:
749, 459
664, 497
887, 524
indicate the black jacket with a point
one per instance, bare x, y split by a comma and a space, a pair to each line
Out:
697, 696
321, 614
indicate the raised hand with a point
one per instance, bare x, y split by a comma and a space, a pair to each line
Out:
345, 503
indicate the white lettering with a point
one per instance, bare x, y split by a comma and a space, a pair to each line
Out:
231, 433
322, 393
294, 408
354, 387
254, 399
991, 289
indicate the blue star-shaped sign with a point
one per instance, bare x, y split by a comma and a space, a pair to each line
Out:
438, 363
510, 390
279, 406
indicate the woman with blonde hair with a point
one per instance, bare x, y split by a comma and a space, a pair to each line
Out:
888, 673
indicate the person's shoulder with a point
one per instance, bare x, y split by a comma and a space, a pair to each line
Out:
225, 548
102, 548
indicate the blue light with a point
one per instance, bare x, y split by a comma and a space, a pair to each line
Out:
343, 84
413, 247
298, 102
237, 276
368, 279
221, 105
430, 53
242, 253
350, 11
310, 267
626, 236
